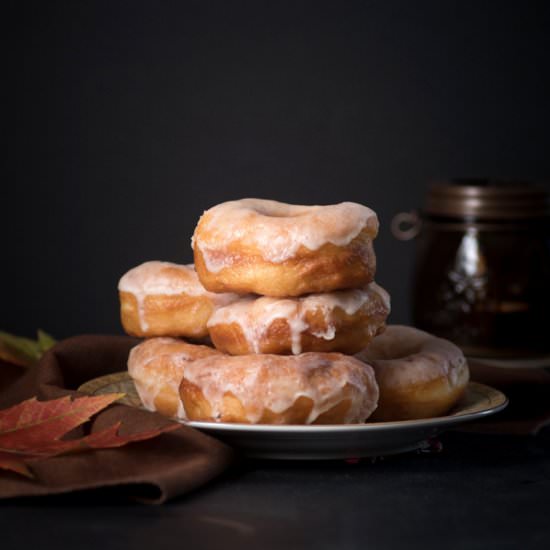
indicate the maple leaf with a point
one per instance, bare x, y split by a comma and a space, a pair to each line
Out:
32, 430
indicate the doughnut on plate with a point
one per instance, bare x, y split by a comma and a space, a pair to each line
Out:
325, 442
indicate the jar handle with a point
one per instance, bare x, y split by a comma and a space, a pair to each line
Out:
406, 225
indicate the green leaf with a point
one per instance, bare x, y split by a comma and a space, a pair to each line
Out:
24, 351
22, 347
45, 341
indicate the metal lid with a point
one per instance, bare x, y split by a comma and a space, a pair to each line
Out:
487, 199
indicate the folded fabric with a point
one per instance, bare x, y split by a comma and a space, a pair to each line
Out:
153, 470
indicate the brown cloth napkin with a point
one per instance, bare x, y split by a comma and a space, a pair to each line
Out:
153, 471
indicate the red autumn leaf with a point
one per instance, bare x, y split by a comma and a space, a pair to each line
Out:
33, 429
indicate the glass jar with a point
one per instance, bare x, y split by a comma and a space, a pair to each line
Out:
482, 267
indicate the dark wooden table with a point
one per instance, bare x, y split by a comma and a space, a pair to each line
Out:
478, 492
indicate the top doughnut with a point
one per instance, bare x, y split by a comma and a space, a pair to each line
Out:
276, 249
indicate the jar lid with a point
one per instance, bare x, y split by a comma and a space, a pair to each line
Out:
487, 199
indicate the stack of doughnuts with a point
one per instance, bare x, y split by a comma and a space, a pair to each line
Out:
274, 323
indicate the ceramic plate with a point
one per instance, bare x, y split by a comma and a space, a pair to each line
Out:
326, 442
517, 363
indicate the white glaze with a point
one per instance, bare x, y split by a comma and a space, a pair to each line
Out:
166, 278
149, 384
274, 382
382, 293
254, 316
277, 230
158, 363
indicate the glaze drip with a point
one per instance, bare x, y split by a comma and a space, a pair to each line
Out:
165, 278
255, 316
157, 365
274, 383
277, 230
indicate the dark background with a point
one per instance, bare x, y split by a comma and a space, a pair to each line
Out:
131, 118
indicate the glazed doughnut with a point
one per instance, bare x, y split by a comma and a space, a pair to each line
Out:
419, 375
165, 299
312, 388
344, 321
277, 249
156, 367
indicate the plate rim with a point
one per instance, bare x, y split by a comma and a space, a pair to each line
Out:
538, 362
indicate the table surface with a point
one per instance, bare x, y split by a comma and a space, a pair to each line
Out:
479, 491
